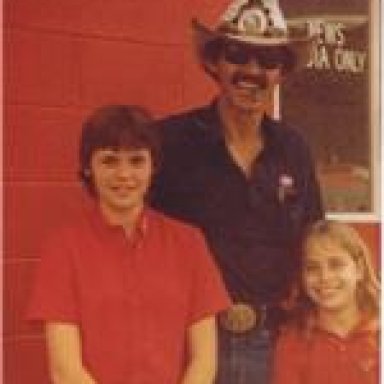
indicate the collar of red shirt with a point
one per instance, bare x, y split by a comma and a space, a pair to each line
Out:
137, 235
367, 323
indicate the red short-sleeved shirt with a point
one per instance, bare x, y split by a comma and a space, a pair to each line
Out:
133, 300
325, 358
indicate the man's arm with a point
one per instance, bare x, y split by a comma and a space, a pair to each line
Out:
64, 354
202, 349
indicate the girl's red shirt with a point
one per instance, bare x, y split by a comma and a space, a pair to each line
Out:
321, 357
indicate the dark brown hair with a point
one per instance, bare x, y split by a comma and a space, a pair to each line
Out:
116, 127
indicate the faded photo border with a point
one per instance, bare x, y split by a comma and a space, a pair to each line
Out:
335, 102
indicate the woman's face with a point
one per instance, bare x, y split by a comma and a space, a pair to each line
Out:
121, 178
330, 275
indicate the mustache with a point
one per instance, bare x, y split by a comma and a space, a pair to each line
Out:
259, 80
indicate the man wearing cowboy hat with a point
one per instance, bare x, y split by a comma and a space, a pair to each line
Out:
246, 180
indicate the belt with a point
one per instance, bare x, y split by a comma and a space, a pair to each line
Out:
243, 317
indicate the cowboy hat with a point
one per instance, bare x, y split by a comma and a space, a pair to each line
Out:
258, 23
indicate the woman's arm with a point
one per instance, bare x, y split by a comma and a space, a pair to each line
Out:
202, 348
64, 354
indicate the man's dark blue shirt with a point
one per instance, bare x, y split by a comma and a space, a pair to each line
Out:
252, 225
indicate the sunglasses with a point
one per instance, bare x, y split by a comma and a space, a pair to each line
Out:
266, 57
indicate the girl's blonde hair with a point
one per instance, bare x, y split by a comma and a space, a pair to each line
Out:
368, 289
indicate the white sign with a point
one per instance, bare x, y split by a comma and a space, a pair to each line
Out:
331, 52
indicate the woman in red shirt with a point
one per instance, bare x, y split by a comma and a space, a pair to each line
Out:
333, 334
126, 295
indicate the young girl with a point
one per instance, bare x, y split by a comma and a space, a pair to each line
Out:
126, 295
333, 336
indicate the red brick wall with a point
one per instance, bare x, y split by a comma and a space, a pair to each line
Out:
61, 59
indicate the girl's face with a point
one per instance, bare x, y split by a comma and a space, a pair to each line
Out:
121, 178
330, 275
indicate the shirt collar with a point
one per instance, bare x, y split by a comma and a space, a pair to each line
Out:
141, 228
209, 122
367, 324
97, 220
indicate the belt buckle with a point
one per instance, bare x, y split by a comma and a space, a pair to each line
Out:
241, 317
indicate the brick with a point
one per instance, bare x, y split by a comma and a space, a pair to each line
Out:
32, 210
41, 143
136, 20
39, 68
208, 12
18, 281
131, 73
198, 87
162, 22
48, 14
25, 361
